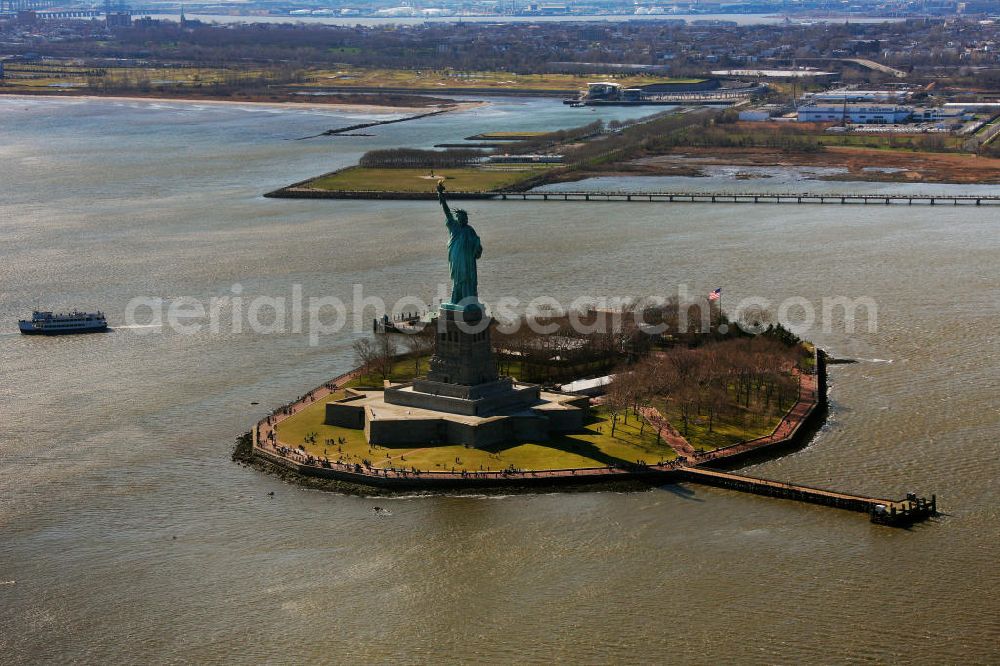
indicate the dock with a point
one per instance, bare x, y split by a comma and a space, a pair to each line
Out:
897, 513
756, 198
300, 190
406, 322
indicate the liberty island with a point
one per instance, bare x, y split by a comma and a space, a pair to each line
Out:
450, 428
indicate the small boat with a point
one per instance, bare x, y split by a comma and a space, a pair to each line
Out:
48, 323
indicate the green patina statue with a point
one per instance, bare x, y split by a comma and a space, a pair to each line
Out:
464, 248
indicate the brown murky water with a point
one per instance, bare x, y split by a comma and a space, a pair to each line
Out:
126, 535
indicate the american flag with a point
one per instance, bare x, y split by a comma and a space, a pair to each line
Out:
715, 295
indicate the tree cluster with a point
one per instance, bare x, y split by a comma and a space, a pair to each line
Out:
413, 158
745, 377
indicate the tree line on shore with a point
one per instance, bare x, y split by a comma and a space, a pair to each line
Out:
928, 49
414, 158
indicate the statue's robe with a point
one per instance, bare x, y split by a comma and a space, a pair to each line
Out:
464, 248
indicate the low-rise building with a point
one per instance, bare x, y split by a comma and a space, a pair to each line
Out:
849, 95
870, 114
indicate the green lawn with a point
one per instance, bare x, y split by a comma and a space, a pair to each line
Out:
294, 430
403, 370
593, 447
466, 179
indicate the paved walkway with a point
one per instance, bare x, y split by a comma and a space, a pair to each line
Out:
265, 431
668, 433
808, 399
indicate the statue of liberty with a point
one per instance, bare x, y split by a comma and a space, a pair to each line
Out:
464, 249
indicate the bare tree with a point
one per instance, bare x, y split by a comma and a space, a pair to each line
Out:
376, 357
419, 344
385, 356
616, 400
365, 352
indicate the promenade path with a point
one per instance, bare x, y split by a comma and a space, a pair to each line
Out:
668, 433
789, 424
265, 431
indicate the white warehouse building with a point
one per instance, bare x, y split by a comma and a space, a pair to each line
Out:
877, 114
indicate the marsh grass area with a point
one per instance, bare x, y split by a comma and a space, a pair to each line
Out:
68, 74
459, 179
667, 144
29, 77
431, 79
239, 84
592, 447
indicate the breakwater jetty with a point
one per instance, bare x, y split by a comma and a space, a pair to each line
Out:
793, 431
360, 126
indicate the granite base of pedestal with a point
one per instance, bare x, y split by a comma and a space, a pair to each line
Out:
488, 399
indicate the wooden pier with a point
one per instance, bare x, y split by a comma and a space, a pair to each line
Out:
407, 322
897, 513
301, 190
756, 198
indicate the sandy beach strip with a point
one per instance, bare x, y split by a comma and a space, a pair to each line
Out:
311, 104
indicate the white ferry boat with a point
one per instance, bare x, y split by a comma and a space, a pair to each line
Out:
47, 323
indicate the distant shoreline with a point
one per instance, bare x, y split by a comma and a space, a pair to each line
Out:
305, 103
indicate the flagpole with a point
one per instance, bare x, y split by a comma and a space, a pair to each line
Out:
711, 302
720, 309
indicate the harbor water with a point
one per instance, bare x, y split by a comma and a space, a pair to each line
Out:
127, 535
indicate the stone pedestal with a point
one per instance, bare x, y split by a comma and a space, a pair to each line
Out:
462, 400
463, 374
463, 354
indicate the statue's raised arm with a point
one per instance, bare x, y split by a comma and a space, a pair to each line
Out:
444, 203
